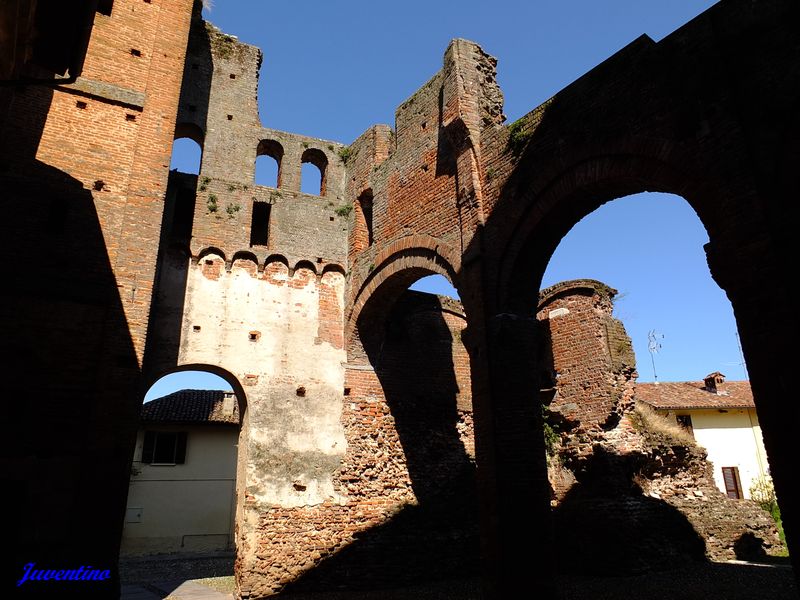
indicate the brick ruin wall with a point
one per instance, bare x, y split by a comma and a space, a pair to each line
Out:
341, 465
338, 476
627, 497
428, 165
408, 468
265, 306
83, 171
593, 368
347, 455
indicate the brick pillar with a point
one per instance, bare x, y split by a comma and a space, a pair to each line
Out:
768, 331
752, 274
291, 167
512, 466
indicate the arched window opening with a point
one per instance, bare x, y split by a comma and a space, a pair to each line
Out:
186, 156
269, 156
435, 284
187, 149
313, 180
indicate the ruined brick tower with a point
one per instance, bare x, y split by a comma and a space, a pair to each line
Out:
355, 398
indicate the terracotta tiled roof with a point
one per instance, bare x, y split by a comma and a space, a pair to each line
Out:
190, 406
692, 394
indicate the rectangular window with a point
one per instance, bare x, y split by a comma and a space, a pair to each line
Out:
733, 486
259, 226
164, 448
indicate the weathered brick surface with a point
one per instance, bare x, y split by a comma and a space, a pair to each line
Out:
655, 116
83, 169
614, 476
586, 357
709, 112
405, 485
218, 109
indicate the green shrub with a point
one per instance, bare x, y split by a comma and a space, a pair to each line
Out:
344, 210
345, 153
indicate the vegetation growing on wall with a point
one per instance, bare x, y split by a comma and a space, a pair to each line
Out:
762, 492
344, 210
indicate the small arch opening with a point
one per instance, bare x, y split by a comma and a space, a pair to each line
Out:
187, 156
187, 149
435, 284
313, 172
269, 156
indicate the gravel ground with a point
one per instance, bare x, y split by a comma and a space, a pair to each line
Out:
712, 580
166, 567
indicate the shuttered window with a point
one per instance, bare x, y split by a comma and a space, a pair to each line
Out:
164, 448
732, 486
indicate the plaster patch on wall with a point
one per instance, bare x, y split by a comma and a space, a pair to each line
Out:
295, 443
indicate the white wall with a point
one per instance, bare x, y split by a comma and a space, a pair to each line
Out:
733, 439
290, 438
183, 504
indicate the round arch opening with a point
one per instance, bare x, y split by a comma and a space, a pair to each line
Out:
186, 468
637, 261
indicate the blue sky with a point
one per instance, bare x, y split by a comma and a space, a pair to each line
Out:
332, 70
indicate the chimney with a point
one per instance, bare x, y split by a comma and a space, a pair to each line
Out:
228, 401
713, 381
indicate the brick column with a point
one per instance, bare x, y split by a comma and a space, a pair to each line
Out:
766, 317
768, 331
512, 466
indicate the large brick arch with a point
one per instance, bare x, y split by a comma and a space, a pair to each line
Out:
243, 535
397, 265
541, 212
742, 252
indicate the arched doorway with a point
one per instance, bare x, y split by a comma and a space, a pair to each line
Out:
183, 496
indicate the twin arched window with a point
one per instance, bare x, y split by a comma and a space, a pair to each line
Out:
313, 170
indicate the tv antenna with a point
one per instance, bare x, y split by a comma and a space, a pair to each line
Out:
743, 364
653, 346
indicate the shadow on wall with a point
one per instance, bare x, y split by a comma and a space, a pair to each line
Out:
169, 291
72, 421
606, 525
438, 538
